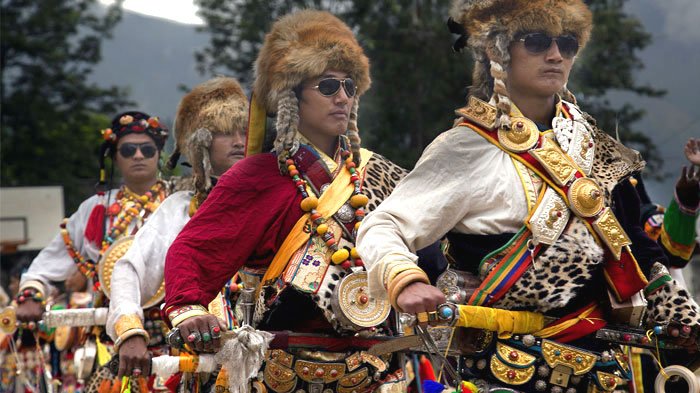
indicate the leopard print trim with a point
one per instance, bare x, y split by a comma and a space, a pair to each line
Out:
671, 303
381, 177
559, 274
613, 162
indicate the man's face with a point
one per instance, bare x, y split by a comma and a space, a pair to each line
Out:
324, 115
137, 167
226, 150
537, 74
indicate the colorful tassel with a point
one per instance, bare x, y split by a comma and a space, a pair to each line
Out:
94, 230
425, 370
432, 387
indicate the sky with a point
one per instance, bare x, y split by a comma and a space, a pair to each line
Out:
183, 11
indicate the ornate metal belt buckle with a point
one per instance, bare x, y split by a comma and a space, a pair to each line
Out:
522, 137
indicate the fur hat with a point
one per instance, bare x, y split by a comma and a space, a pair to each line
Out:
488, 27
217, 106
300, 46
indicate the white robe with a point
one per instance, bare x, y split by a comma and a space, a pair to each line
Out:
462, 182
53, 264
139, 273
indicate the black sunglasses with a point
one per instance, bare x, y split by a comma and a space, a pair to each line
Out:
129, 149
536, 43
331, 86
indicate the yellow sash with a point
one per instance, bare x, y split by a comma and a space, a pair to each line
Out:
330, 201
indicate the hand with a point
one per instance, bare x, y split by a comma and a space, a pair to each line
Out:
684, 336
420, 297
133, 355
195, 330
77, 282
692, 151
30, 310
687, 187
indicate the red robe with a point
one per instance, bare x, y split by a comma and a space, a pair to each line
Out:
243, 221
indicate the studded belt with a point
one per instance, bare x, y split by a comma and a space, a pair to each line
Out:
285, 372
530, 364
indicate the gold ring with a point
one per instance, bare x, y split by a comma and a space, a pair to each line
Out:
432, 316
422, 317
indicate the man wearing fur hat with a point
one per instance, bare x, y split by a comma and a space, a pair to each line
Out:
134, 143
210, 131
286, 221
523, 187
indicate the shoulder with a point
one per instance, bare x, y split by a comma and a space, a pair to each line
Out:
378, 164
264, 164
88, 204
177, 199
458, 141
254, 174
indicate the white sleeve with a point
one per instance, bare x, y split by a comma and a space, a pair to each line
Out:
53, 262
425, 205
137, 276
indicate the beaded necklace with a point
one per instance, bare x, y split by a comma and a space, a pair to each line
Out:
127, 207
341, 256
130, 206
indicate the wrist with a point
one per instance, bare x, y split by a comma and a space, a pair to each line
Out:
30, 294
403, 280
179, 314
33, 284
127, 322
686, 204
128, 334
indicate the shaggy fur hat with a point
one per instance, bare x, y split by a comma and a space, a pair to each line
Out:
488, 27
217, 106
300, 46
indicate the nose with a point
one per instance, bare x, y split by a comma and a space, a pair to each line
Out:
138, 155
341, 97
238, 139
553, 54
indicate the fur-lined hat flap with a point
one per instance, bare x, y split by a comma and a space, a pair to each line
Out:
303, 45
218, 105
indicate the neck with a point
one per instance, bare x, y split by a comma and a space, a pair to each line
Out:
327, 144
538, 109
141, 187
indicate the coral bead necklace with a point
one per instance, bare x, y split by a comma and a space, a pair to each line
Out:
345, 257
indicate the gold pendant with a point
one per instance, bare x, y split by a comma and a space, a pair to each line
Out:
585, 197
556, 354
522, 137
611, 232
555, 162
480, 112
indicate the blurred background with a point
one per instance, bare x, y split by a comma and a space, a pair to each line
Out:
68, 66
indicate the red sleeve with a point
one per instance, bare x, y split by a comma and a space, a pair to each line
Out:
244, 220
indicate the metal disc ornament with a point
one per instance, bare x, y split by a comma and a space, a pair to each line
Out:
353, 305
114, 253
